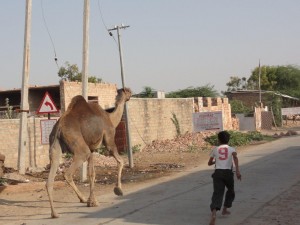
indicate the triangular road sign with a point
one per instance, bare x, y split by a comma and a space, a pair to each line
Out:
47, 105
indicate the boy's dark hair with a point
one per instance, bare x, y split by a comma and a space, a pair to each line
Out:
223, 137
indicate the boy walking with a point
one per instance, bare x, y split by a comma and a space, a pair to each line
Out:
222, 156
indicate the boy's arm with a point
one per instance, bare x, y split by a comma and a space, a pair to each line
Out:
237, 168
211, 161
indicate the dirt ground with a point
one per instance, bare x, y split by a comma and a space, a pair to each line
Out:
156, 160
159, 159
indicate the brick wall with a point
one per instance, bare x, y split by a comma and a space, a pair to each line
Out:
207, 104
106, 93
249, 99
150, 119
36, 153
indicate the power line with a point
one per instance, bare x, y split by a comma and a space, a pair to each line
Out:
104, 24
45, 23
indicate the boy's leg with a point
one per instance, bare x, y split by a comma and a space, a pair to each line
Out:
230, 194
213, 217
219, 188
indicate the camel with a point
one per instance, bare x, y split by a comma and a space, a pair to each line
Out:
81, 130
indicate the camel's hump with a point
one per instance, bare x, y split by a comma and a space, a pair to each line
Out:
75, 100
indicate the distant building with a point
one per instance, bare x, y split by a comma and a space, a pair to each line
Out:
250, 98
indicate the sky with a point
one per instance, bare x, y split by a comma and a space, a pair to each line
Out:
170, 44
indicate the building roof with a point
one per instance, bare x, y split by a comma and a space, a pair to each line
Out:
262, 91
33, 87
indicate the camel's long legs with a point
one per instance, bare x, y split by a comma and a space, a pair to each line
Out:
55, 154
118, 188
78, 160
91, 169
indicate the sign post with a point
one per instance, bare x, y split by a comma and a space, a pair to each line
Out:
47, 106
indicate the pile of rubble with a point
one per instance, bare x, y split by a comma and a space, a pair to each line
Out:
182, 143
288, 133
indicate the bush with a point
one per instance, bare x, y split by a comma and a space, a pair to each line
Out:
238, 138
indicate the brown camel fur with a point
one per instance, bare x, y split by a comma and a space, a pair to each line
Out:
81, 130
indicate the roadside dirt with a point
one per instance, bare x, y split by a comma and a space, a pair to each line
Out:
161, 158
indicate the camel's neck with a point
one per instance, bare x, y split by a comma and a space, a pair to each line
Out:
116, 115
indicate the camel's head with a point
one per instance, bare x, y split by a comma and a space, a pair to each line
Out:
126, 92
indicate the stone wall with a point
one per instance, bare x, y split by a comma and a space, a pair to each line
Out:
36, 154
106, 93
150, 119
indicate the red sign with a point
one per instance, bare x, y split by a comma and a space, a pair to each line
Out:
47, 105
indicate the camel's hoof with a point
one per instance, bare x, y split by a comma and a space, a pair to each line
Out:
92, 204
83, 201
118, 191
54, 215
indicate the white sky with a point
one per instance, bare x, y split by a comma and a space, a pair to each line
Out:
170, 45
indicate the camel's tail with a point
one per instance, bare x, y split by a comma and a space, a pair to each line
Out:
56, 142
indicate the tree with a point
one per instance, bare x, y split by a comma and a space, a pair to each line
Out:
71, 73
237, 106
267, 78
234, 83
284, 79
148, 92
203, 91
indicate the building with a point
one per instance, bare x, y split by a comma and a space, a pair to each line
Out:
251, 98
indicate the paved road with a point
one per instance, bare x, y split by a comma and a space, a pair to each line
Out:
268, 171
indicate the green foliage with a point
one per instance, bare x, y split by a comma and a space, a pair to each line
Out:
275, 104
136, 148
236, 83
193, 148
148, 92
68, 155
238, 138
255, 136
71, 73
284, 79
102, 150
2, 181
237, 106
176, 123
204, 91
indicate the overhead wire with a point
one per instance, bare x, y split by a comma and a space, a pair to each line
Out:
45, 24
104, 24
111, 34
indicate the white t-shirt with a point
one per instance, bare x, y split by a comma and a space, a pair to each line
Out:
223, 156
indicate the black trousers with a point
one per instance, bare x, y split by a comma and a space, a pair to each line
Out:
222, 179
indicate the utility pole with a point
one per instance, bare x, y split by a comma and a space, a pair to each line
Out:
259, 85
130, 159
23, 134
85, 62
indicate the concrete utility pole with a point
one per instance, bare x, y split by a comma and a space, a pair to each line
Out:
259, 85
85, 63
130, 159
23, 134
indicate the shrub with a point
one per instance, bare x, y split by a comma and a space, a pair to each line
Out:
238, 138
